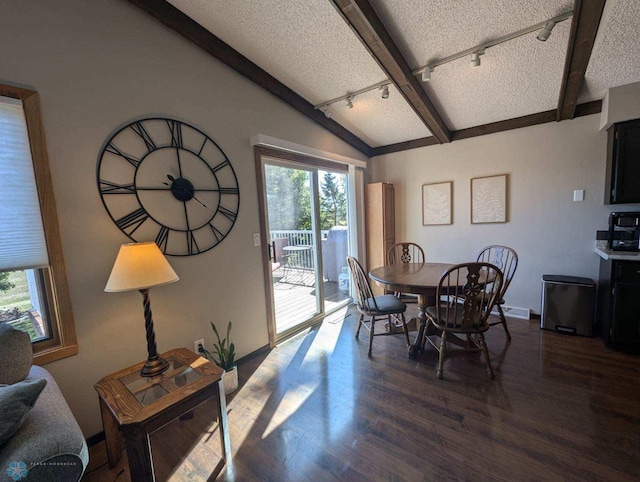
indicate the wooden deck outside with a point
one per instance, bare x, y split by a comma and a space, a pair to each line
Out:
295, 296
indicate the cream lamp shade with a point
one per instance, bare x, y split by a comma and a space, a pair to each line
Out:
140, 266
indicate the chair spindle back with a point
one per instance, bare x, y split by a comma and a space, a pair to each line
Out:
405, 253
470, 290
505, 258
366, 298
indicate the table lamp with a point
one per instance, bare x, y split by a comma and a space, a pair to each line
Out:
139, 266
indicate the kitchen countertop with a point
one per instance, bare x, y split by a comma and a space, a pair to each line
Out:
607, 254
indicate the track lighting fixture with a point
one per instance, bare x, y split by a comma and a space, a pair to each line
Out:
426, 74
543, 30
348, 98
543, 35
349, 102
327, 113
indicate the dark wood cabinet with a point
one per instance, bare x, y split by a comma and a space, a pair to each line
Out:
619, 304
623, 163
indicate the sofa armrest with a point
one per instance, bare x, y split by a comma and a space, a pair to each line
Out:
49, 441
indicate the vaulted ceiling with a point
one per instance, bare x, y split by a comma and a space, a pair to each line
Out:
311, 52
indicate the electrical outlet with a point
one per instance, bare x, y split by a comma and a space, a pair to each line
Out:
256, 239
196, 344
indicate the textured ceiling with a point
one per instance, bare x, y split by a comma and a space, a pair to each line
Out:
373, 118
516, 78
427, 30
615, 60
308, 46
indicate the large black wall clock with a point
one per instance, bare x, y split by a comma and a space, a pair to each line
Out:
161, 179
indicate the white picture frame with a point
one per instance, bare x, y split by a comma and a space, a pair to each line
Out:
436, 203
489, 199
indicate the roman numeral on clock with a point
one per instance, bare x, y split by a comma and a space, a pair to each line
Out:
221, 165
229, 190
111, 148
217, 233
192, 244
132, 220
139, 129
230, 215
176, 133
162, 238
108, 187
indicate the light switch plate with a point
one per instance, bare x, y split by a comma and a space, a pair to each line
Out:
578, 195
256, 239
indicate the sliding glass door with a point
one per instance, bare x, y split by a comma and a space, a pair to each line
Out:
305, 211
292, 228
333, 200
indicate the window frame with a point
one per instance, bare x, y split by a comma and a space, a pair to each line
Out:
56, 287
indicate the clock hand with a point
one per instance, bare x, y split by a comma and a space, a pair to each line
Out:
201, 202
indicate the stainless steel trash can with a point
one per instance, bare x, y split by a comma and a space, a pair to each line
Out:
568, 304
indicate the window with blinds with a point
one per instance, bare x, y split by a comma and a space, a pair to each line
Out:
34, 294
23, 251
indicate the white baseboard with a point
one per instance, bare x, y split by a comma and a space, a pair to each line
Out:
514, 312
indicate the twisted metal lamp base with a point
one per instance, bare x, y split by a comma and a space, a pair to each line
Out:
155, 364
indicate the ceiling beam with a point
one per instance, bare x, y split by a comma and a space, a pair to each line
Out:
360, 15
180, 23
516, 123
584, 27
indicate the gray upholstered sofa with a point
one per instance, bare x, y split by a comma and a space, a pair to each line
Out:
48, 445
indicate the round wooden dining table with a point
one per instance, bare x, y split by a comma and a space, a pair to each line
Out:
417, 278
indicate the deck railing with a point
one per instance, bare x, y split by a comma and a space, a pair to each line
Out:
304, 259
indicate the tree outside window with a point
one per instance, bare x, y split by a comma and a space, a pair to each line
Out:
333, 201
20, 303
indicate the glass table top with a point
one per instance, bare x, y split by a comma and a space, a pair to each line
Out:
148, 390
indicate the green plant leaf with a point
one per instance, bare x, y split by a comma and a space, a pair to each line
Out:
215, 330
224, 349
232, 354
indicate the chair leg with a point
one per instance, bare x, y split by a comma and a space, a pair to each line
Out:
441, 357
359, 326
504, 322
373, 326
406, 330
485, 352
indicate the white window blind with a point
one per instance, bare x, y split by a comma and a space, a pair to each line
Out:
22, 241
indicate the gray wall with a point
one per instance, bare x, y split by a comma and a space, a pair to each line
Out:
545, 163
98, 64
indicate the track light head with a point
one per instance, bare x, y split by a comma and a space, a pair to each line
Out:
385, 91
426, 74
349, 102
543, 34
327, 113
475, 59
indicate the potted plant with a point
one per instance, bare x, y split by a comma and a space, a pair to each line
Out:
224, 355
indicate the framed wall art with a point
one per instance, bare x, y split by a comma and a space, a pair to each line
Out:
489, 199
436, 203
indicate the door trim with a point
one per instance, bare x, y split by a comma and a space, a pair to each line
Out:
279, 155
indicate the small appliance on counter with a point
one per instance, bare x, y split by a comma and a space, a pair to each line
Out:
624, 231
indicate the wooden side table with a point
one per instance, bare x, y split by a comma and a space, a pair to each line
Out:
138, 406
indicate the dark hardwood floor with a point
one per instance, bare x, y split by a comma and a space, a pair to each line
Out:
316, 408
